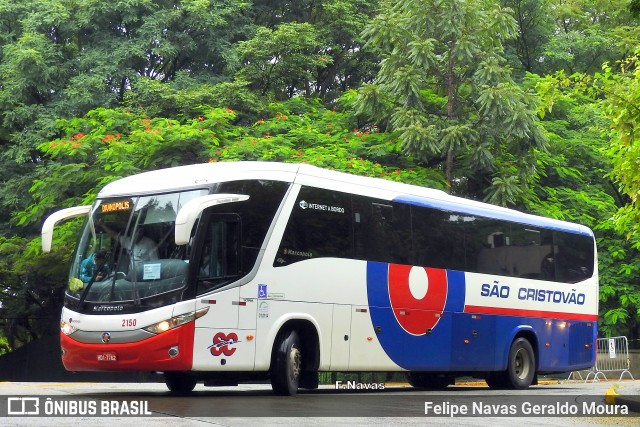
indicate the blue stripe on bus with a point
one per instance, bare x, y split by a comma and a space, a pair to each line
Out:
456, 291
513, 216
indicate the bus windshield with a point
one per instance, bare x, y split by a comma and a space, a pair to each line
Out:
127, 250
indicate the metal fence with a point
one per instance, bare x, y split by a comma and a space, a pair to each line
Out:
612, 356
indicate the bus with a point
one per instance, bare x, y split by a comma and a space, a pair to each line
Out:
231, 272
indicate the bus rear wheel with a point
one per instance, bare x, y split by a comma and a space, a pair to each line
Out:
521, 368
179, 382
286, 365
522, 364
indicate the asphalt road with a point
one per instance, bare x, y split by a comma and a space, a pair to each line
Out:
141, 405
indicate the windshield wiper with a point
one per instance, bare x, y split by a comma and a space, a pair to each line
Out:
134, 281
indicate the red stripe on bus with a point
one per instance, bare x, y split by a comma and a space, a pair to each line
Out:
529, 313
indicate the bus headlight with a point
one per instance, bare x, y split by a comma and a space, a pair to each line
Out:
67, 328
175, 321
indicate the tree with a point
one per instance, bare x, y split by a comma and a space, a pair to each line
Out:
535, 28
620, 94
588, 33
31, 289
60, 59
282, 61
312, 48
573, 183
444, 85
107, 144
621, 105
4, 346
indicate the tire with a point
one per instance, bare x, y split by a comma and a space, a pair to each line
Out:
521, 368
429, 381
308, 380
179, 382
497, 380
286, 365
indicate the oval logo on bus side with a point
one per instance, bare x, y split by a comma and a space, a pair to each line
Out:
410, 309
418, 296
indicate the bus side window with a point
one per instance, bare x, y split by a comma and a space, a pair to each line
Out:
319, 227
531, 252
574, 257
438, 238
382, 230
488, 245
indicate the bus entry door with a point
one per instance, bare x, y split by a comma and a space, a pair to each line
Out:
218, 345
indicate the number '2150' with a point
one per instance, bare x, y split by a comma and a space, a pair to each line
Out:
127, 323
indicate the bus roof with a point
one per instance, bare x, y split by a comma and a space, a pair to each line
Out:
206, 174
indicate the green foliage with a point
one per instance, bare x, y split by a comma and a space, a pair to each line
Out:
4, 346
444, 85
31, 288
621, 90
571, 186
588, 33
336, 61
536, 26
92, 91
107, 144
68, 57
282, 61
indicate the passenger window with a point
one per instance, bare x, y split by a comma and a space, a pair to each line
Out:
439, 238
382, 230
488, 246
257, 213
531, 252
319, 226
574, 257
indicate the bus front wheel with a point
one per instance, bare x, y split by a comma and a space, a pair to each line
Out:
179, 382
286, 364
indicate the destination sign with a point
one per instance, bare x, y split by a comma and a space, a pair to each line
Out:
122, 205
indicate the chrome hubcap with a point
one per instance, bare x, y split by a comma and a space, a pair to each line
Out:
521, 364
295, 362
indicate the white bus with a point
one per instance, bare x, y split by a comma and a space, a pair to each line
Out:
228, 272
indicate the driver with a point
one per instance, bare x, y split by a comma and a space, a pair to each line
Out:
94, 267
143, 247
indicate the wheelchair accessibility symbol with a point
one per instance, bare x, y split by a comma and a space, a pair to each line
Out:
262, 291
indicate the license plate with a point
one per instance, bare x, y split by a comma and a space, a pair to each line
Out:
107, 356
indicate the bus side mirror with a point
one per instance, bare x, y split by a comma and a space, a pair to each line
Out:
191, 211
55, 218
